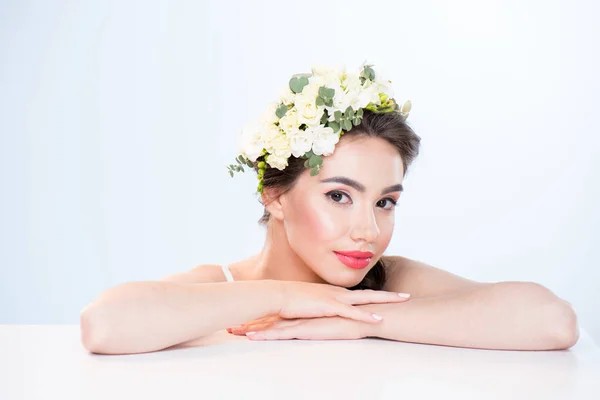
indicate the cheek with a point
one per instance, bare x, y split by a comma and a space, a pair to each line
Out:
314, 221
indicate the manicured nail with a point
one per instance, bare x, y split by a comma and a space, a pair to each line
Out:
404, 295
377, 317
250, 333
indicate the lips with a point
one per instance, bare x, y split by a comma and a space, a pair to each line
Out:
354, 259
356, 254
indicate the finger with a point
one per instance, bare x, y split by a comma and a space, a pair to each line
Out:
368, 296
252, 327
357, 314
241, 330
287, 333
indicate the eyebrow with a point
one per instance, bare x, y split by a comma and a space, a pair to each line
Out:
360, 187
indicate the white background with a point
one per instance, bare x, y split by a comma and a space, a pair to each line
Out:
117, 119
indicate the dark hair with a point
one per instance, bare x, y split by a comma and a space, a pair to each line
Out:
390, 126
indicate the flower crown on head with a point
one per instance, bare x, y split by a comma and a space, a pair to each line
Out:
312, 113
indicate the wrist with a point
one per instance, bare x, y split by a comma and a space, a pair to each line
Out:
275, 297
371, 330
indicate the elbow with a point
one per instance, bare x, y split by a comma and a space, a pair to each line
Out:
564, 325
93, 332
561, 328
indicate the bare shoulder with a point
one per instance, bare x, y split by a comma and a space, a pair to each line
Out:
423, 280
204, 273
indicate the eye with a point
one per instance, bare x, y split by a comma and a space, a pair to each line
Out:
393, 203
336, 195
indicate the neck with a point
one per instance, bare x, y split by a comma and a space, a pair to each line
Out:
279, 261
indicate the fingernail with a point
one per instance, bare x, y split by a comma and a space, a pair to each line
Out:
404, 295
377, 317
250, 333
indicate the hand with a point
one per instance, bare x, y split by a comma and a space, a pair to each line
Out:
255, 325
324, 328
313, 300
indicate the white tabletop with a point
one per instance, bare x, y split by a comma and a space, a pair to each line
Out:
48, 362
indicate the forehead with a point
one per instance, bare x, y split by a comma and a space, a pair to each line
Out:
372, 161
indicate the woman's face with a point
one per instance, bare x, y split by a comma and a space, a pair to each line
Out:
348, 206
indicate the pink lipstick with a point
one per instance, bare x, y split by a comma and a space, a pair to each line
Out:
354, 259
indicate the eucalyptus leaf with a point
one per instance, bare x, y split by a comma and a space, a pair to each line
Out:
337, 115
320, 101
356, 121
360, 112
281, 110
347, 125
313, 161
325, 117
297, 84
231, 173
314, 172
349, 112
335, 126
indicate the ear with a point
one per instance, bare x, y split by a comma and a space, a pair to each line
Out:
272, 201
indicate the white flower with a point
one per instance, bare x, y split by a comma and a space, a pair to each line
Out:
269, 116
307, 110
286, 95
277, 161
324, 140
279, 152
270, 136
329, 73
251, 142
280, 145
289, 122
301, 141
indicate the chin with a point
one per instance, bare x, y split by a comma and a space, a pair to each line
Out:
348, 278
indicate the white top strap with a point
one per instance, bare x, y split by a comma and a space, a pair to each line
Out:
227, 273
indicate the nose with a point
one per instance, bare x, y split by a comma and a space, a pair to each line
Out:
365, 226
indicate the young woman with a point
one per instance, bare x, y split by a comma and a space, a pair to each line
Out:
329, 217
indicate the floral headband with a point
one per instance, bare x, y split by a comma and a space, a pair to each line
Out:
310, 116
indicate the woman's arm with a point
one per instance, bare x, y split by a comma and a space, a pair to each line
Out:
139, 317
503, 315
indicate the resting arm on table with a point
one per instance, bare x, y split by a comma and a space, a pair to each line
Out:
447, 309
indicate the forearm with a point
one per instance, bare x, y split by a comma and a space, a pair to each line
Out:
140, 317
505, 315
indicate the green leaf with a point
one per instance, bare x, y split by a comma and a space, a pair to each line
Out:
349, 112
326, 93
315, 161
231, 173
347, 124
368, 72
297, 84
314, 171
329, 102
335, 126
325, 117
281, 110
360, 112
249, 164
320, 101
337, 115
356, 121
306, 164
309, 154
